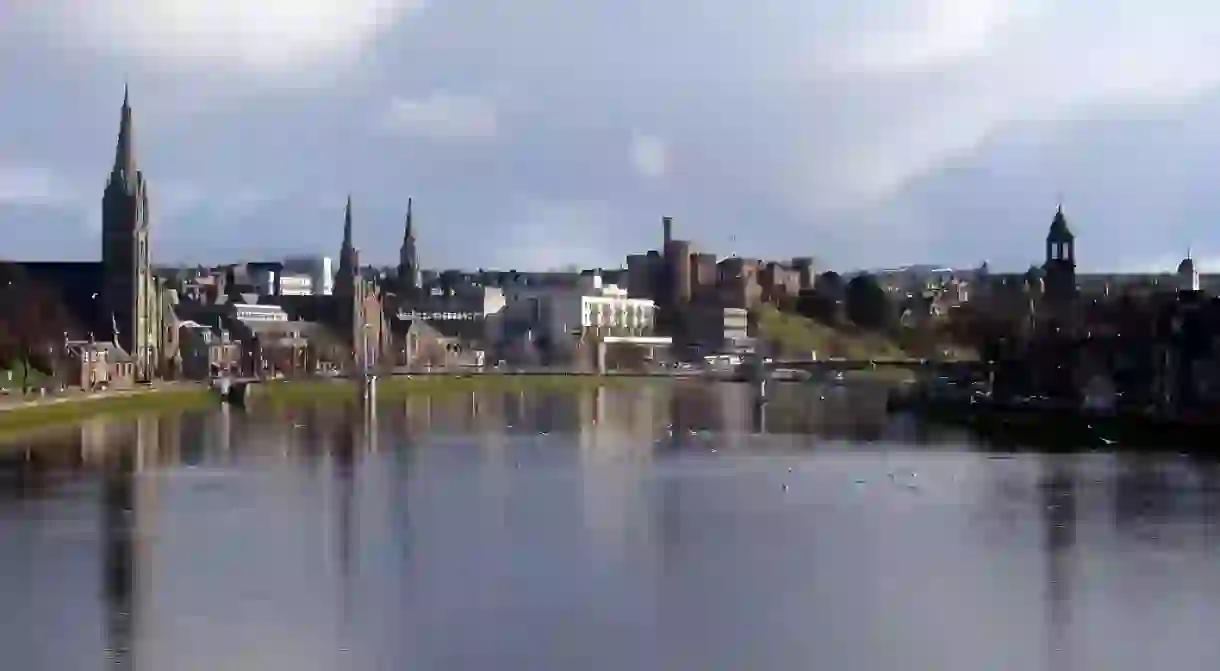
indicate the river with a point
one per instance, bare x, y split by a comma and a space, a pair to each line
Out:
657, 527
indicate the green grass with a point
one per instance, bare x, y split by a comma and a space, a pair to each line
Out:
36, 377
798, 336
291, 392
40, 414
885, 374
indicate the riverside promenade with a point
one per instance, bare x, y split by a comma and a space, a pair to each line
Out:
19, 402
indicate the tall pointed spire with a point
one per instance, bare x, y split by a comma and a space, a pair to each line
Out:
347, 225
409, 234
408, 261
125, 171
346, 273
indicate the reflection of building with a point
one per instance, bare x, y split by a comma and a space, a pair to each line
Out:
1059, 522
126, 505
118, 504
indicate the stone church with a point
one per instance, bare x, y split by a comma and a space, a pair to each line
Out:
115, 299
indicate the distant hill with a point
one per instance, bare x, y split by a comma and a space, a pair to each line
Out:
922, 269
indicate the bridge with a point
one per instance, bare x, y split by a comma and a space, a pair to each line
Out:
944, 367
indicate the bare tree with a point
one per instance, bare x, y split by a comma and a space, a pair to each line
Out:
33, 323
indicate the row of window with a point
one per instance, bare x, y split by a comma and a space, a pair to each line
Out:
262, 315
618, 314
440, 316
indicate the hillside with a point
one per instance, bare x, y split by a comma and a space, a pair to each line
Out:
795, 336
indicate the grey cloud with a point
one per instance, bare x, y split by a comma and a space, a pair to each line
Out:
272, 37
440, 116
853, 131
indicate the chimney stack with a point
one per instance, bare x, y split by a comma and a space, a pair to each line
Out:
667, 226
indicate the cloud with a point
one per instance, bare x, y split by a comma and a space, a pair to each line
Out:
32, 186
857, 131
243, 36
544, 234
893, 37
649, 156
442, 116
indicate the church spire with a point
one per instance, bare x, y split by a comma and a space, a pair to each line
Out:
125, 171
1059, 231
408, 235
345, 276
409, 279
347, 227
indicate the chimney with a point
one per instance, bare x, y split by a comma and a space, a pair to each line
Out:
667, 226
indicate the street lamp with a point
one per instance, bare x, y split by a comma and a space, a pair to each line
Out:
63, 361
364, 344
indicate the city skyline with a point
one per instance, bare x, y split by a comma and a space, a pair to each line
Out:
795, 132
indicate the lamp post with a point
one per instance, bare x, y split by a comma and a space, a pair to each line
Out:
63, 360
369, 381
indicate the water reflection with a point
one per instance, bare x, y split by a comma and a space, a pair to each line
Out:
119, 561
1058, 500
619, 528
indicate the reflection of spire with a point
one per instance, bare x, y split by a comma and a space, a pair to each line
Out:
1059, 521
370, 430
589, 416
398, 500
669, 526
758, 418
677, 424
344, 470
118, 561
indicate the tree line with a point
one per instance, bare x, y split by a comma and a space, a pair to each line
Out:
34, 323
861, 305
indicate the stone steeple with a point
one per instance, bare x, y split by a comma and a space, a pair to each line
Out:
349, 263
1059, 231
128, 288
409, 280
125, 173
1060, 264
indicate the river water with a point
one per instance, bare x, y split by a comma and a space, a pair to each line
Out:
650, 528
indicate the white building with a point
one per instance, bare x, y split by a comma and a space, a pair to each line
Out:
590, 307
259, 313
307, 275
268, 282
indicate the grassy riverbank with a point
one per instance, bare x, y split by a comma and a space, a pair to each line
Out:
289, 392
42, 412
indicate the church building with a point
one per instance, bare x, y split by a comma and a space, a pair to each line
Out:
115, 299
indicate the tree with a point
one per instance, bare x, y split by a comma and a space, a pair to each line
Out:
867, 304
324, 346
33, 323
823, 301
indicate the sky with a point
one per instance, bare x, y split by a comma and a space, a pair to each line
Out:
534, 134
